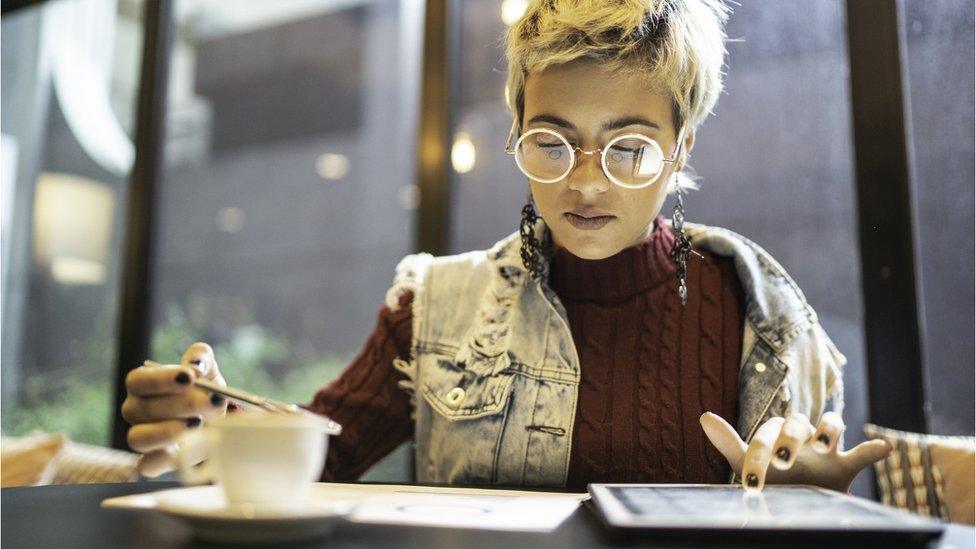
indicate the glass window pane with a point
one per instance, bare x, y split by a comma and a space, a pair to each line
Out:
287, 195
940, 84
488, 195
69, 77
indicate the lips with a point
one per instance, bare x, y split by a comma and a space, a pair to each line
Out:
588, 219
590, 211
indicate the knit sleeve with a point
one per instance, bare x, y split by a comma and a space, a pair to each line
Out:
374, 412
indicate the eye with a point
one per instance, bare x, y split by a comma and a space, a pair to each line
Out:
547, 144
626, 150
547, 140
629, 146
618, 154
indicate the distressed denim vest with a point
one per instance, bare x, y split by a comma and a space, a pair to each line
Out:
494, 372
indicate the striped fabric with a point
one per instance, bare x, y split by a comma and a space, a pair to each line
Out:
909, 478
86, 464
40, 459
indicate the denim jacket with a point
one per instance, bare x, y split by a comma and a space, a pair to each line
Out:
495, 374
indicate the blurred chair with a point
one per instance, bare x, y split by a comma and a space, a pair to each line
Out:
927, 474
44, 458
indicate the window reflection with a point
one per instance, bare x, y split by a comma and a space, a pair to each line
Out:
69, 78
287, 195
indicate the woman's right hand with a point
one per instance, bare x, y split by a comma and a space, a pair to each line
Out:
161, 402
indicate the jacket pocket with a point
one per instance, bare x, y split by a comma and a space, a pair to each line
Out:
458, 394
460, 424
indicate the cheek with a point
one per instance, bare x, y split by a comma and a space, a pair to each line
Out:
642, 205
546, 198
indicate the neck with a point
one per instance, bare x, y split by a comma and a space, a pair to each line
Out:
634, 269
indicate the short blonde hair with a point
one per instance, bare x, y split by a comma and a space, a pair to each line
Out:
677, 46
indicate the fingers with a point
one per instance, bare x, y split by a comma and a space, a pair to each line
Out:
760, 451
158, 380
866, 453
200, 357
157, 462
795, 432
162, 402
184, 405
147, 437
829, 432
724, 438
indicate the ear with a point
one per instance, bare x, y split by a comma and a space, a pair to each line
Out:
689, 143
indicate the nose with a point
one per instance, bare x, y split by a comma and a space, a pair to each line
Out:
588, 177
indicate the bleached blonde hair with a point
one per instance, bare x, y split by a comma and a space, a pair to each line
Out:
676, 46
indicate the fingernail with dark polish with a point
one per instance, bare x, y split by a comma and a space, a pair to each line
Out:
823, 438
752, 480
183, 378
783, 454
192, 422
216, 400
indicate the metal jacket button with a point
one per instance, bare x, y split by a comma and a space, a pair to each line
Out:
760, 367
454, 397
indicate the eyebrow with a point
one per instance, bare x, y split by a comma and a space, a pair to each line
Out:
607, 126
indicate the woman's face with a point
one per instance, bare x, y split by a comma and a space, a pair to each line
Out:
587, 214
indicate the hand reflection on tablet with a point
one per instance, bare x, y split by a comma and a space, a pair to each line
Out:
754, 506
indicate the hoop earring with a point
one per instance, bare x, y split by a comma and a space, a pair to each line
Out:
682, 244
534, 252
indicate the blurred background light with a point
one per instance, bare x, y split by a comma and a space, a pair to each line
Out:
512, 10
463, 154
332, 166
230, 220
73, 227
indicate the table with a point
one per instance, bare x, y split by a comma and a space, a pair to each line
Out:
70, 516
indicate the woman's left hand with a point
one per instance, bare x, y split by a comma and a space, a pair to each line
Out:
799, 452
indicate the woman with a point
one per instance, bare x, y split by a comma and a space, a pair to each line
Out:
598, 343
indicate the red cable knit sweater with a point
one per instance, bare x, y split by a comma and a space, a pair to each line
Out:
649, 369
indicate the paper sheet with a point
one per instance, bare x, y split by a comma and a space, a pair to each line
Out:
426, 506
480, 509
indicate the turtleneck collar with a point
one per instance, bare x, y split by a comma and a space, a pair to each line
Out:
632, 271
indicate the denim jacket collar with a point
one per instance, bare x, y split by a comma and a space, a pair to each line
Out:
776, 316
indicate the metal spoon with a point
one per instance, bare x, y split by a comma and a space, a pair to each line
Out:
265, 403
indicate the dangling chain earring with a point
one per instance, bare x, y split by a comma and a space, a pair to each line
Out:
682, 244
534, 252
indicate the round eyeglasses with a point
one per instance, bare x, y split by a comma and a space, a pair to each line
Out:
632, 160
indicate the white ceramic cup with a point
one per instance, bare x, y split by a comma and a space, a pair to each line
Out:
257, 458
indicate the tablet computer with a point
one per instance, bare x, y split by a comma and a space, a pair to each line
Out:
676, 508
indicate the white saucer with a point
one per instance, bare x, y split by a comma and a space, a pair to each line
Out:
204, 510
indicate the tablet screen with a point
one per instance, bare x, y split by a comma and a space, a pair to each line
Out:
776, 507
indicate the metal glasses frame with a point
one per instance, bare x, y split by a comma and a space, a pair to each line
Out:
574, 159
